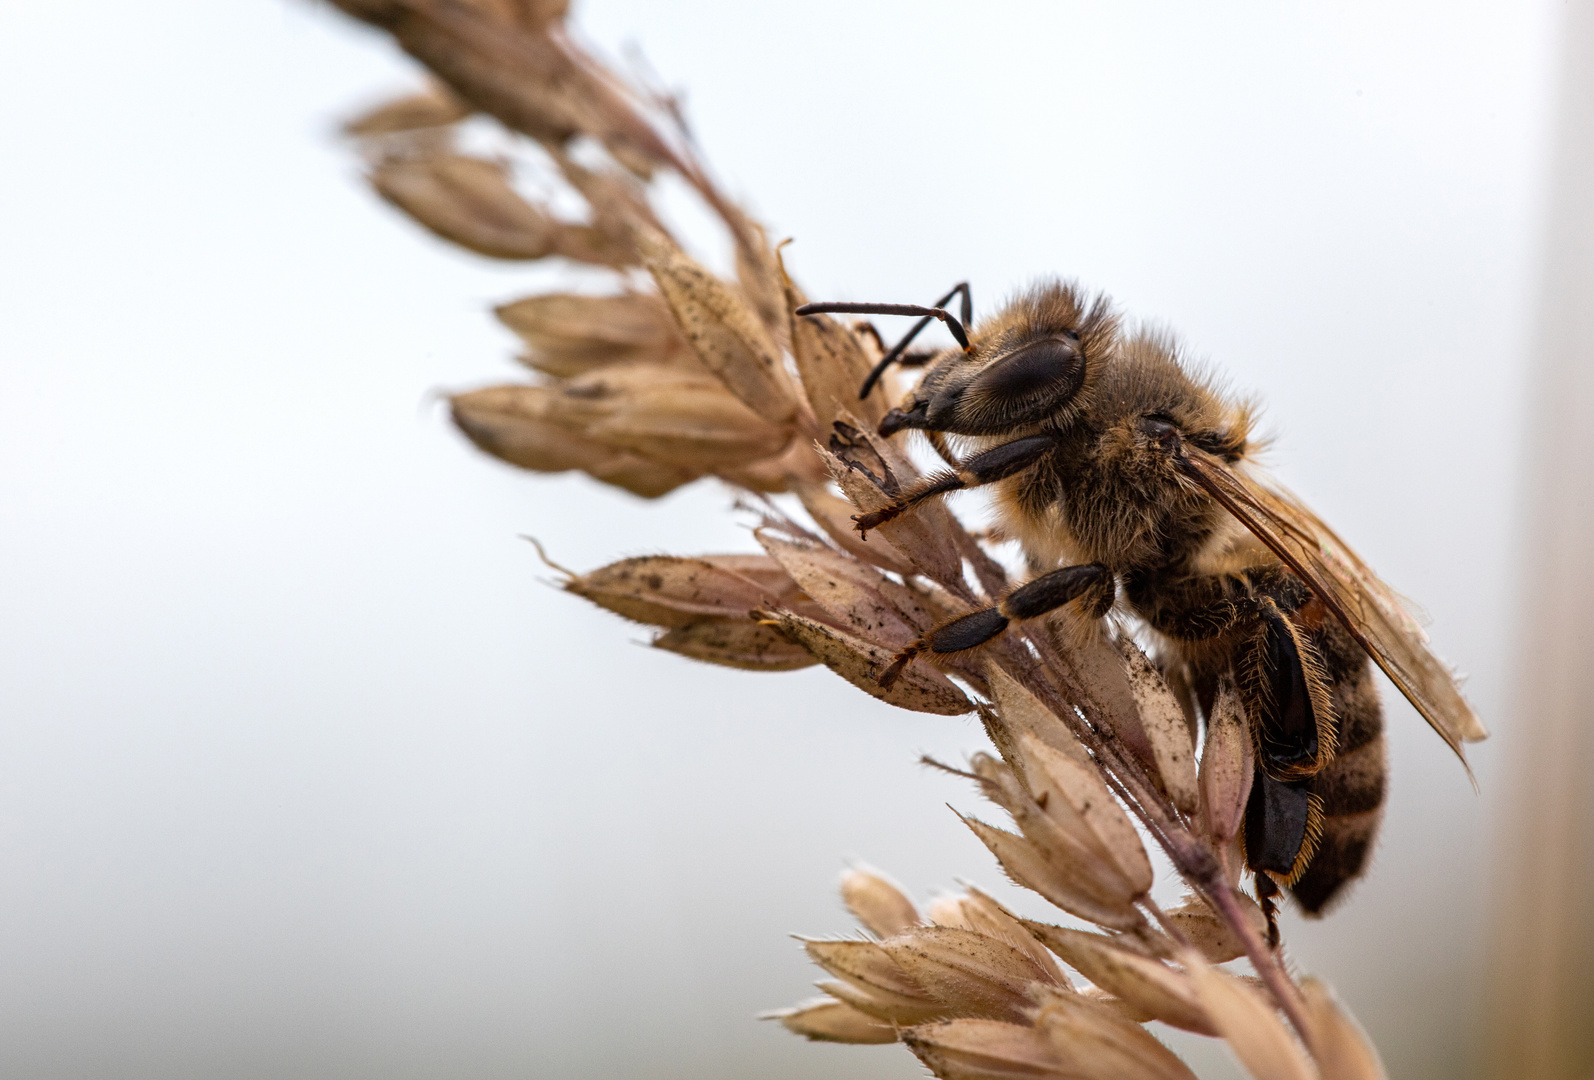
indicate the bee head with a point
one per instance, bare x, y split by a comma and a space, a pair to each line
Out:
1032, 364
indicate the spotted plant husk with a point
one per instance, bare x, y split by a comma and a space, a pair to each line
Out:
675, 374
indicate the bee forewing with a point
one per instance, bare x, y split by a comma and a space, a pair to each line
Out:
1351, 591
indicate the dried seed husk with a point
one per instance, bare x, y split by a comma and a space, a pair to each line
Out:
1248, 1022
1210, 934
669, 415
670, 590
1096, 680
920, 688
762, 571
722, 328
948, 911
1061, 834
870, 980
569, 335
920, 534
972, 974
759, 274
1023, 713
1070, 790
1095, 1042
536, 14
691, 426
1162, 719
1028, 866
877, 903
1127, 1009
1152, 985
1227, 768
649, 479
511, 423
1340, 1048
983, 1050
862, 449
829, 1020
831, 365
468, 201
834, 516
432, 107
735, 643
981, 912
794, 465
856, 595
887, 1005
520, 75
618, 202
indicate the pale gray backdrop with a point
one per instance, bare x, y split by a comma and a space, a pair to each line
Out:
305, 772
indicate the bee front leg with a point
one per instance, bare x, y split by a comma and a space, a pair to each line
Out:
1091, 582
995, 464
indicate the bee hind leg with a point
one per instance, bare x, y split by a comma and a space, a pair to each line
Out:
1091, 581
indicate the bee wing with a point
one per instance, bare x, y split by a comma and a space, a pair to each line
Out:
1368, 608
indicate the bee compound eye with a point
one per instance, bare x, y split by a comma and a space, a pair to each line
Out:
1052, 369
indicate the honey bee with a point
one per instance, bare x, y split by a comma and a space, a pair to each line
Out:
1128, 477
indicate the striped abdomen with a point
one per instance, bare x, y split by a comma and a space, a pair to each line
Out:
1350, 788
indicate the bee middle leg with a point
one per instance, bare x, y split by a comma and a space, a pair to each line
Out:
1091, 581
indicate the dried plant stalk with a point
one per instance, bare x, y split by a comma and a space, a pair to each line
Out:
653, 387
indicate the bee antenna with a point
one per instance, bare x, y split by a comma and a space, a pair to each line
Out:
937, 311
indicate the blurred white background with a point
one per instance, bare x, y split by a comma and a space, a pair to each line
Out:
304, 771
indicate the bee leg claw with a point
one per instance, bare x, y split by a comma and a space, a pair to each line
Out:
873, 520
889, 676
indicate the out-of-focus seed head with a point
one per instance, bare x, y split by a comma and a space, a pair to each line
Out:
672, 416
869, 979
1095, 1042
436, 106
1145, 982
969, 972
984, 1050
569, 335
1340, 1047
517, 425
1248, 1022
468, 201
877, 903
727, 334
831, 365
829, 1020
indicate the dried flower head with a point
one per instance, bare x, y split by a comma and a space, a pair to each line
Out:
681, 374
